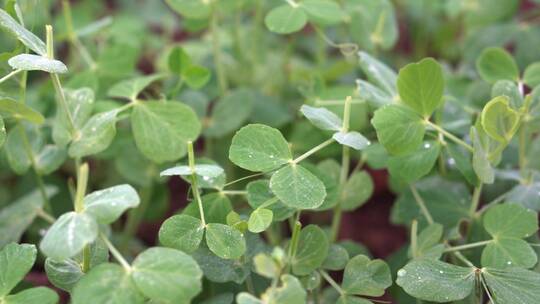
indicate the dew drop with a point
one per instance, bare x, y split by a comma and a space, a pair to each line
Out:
402, 273
441, 272
509, 263
427, 145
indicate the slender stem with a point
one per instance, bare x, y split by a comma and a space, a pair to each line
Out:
244, 178
56, 80
523, 147
462, 258
86, 259
194, 186
292, 3
8, 76
233, 192
468, 246
450, 136
475, 200
331, 281
117, 255
216, 49
46, 216
73, 38
414, 238
346, 114
421, 204
293, 246
82, 182
313, 150
487, 290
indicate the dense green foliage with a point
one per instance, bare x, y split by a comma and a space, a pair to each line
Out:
273, 113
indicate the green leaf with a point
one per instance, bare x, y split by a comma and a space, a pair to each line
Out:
352, 300
525, 195
166, 274
29, 62
246, 298
96, 135
421, 86
68, 235
182, 232
510, 220
17, 217
80, 104
285, 19
259, 220
63, 274
322, 118
229, 270
15, 261
18, 110
230, 113
352, 139
216, 207
266, 266
26, 37
379, 73
433, 280
366, 277
428, 238
225, 241
36, 295
505, 252
297, 188
337, 258
357, 191
373, 24
499, 120
290, 292
161, 130
107, 205
312, 250
509, 89
49, 159
480, 161
15, 149
130, 89
531, 76
412, 167
463, 162
512, 285
178, 60
258, 192
195, 9
202, 170
323, 11
399, 129
497, 64
107, 283
258, 147
375, 96
196, 76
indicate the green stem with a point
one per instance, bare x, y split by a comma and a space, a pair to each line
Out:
414, 238
293, 246
421, 204
523, 148
468, 246
475, 200
82, 183
86, 259
116, 254
331, 281
8, 76
46, 216
194, 186
233, 192
134, 218
73, 38
450, 136
313, 150
56, 81
216, 49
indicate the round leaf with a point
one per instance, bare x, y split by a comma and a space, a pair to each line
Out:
510, 220
285, 19
182, 232
499, 120
356, 191
365, 277
322, 118
258, 147
421, 86
298, 188
312, 250
412, 167
508, 252
18, 110
15, 261
259, 220
166, 274
352, 139
497, 64
29, 62
107, 205
225, 241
